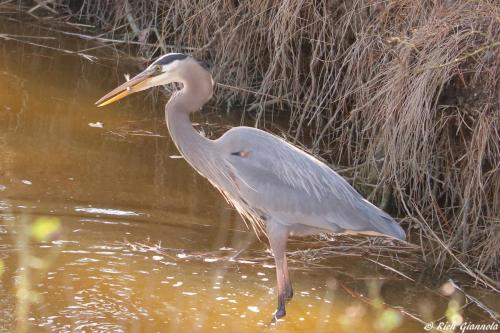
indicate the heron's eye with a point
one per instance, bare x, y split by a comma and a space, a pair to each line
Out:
156, 69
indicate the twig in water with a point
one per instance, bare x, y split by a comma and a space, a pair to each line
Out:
493, 314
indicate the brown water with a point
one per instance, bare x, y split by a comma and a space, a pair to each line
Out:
120, 191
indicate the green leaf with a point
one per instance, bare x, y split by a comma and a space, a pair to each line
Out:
45, 228
2, 267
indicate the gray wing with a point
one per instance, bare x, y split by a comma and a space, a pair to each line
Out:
288, 184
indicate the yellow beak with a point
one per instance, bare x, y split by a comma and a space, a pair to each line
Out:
123, 90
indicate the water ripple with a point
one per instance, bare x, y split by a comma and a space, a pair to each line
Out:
107, 211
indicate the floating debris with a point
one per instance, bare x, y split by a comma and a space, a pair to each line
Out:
178, 284
97, 124
174, 157
253, 308
26, 182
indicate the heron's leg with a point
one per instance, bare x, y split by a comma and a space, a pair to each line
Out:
288, 284
278, 236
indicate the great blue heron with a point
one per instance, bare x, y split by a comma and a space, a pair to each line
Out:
277, 187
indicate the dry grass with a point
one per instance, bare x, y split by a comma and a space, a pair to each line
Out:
404, 92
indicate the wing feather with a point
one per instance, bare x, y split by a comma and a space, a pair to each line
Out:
289, 184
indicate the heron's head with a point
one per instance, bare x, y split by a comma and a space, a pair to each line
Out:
172, 67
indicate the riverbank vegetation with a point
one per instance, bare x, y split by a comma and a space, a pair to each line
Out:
400, 96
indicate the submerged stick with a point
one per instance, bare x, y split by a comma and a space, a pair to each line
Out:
493, 314
391, 269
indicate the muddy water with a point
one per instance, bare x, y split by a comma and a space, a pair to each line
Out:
145, 241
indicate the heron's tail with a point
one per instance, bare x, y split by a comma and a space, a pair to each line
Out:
380, 222
392, 228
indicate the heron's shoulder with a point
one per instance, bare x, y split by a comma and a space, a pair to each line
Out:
250, 134
269, 145
245, 130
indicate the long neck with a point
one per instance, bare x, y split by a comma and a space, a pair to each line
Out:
195, 148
